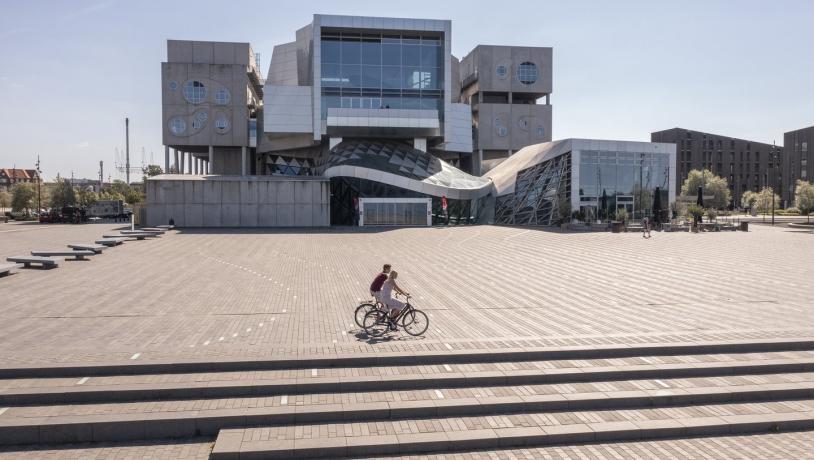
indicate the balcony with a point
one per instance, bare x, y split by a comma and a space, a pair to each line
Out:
383, 122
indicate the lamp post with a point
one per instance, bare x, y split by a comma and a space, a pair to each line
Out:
774, 173
39, 187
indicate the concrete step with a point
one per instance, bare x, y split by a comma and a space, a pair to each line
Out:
156, 420
122, 389
531, 429
80, 370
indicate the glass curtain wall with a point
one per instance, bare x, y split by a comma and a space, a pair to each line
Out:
609, 181
381, 71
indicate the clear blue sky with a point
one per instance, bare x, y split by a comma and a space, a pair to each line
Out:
70, 71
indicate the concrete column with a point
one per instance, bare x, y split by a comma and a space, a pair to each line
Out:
195, 165
175, 153
211, 159
420, 143
166, 159
181, 166
477, 163
189, 162
243, 161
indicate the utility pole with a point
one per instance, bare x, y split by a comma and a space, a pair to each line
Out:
39, 187
127, 148
101, 175
774, 172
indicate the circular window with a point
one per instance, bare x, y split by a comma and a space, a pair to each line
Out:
178, 126
222, 96
194, 91
540, 131
502, 71
523, 124
173, 85
222, 124
527, 73
201, 116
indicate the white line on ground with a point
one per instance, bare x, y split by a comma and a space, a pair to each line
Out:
260, 325
284, 400
220, 339
3, 410
82, 380
192, 346
135, 356
446, 366
439, 394
438, 331
314, 372
248, 329
343, 332
662, 384
448, 346
334, 340
273, 319
234, 335
284, 310
206, 343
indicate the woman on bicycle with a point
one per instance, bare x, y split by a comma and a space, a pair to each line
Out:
386, 295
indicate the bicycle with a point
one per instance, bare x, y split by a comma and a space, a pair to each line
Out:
413, 321
364, 308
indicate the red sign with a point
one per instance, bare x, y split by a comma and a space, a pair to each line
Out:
444, 203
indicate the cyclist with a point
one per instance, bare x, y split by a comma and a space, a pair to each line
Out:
386, 296
378, 281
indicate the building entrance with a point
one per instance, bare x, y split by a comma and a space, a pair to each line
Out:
395, 211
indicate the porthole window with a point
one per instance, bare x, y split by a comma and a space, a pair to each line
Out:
222, 124
178, 126
540, 131
527, 73
202, 116
502, 71
173, 85
194, 91
222, 96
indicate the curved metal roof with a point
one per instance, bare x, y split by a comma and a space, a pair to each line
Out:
399, 164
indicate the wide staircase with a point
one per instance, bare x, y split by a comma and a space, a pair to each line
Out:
402, 403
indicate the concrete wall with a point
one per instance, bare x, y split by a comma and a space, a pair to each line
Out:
235, 201
520, 123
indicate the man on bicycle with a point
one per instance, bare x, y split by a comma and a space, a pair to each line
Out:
378, 282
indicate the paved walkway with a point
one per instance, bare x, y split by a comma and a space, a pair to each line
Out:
211, 294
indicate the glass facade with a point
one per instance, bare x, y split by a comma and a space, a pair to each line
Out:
542, 195
609, 181
395, 71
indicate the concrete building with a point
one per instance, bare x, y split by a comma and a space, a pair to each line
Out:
746, 165
211, 94
799, 154
503, 85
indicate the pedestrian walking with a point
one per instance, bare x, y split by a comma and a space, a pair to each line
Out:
646, 227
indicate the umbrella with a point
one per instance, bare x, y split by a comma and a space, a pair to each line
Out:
657, 205
604, 203
700, 201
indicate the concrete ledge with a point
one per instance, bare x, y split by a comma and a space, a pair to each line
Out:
397, 359
222, 389
437, 442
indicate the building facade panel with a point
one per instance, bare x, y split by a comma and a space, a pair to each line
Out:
798, 160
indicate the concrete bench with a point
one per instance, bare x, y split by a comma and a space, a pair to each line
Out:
166, 227
138, 236
111, 241
77, 255
96, 248
5, 269
45, 262
159, 231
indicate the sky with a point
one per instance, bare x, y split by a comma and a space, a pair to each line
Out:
72, 70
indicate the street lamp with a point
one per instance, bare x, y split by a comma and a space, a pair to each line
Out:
774, 173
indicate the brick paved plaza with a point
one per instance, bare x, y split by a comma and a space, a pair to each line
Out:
194, 296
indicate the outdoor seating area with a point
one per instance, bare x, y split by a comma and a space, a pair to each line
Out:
50, 258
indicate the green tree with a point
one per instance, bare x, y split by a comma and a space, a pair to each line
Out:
763, 203
23, 198
63, 194
150, 171
748, 199
120, 187
804, 198
712, 185
5, 199
133, 197
86, 197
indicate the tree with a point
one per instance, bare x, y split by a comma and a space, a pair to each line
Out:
133, 196
763, 203
23, 197
804, 198
86, 197
5, 199
748, 199
120, 187
712, 185
150, 171
63, 194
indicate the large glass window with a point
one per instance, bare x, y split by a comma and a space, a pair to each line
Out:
387, 71
194, 91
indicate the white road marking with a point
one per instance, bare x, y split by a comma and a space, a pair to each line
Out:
438, 331
344, 333
220, 339
82, 380
662, 384
192, 346
439, 394
3, 410
248, 329
206, 343
260, 325
135, 356
334, 340
314, 372
284, 400
448, 346
446, 366
234, 335
284, 310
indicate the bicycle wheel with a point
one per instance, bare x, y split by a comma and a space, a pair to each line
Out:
418, 322
361, 311
376, 323
408, 317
